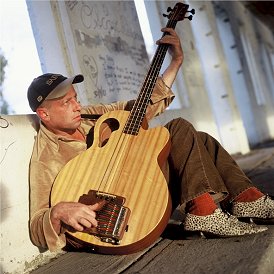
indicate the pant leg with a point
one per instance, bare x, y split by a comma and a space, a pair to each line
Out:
233, 177
192, 171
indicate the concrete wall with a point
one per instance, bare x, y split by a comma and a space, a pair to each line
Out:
227, 75
18, 254
254, 44
100, 39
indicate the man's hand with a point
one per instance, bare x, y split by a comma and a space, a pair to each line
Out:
173, 40
76, 215
176, 52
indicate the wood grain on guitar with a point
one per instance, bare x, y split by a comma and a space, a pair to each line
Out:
123, 167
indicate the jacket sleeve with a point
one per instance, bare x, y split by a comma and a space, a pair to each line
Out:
161, 98
41, 231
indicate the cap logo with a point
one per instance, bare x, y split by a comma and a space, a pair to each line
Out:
52, 79
39, 98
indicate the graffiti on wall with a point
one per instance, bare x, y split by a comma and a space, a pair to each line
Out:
110, 48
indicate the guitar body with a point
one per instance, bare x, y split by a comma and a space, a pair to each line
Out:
123, 171
126, 170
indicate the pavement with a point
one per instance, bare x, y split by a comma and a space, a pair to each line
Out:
174, 253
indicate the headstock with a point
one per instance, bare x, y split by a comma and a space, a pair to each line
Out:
178, 12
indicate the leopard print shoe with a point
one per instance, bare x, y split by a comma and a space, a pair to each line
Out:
259, 211
219, 224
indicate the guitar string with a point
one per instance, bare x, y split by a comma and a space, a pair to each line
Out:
150, 81
124, 139
162, 50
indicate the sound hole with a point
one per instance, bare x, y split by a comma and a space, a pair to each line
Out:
106, 128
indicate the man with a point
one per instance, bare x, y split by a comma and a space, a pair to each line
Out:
201, 172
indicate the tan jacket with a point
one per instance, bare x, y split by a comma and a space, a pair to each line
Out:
52, 152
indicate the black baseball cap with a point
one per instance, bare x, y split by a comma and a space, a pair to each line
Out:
50, 86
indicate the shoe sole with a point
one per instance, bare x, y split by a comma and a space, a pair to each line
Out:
192, 235
257, 221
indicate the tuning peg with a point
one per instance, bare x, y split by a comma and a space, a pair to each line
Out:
192, 11
189, 17
168, 10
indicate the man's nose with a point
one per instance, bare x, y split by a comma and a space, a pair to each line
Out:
77, 105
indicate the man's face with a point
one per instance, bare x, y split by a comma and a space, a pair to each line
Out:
62, 115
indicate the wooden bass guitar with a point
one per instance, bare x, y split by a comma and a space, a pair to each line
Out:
123, 168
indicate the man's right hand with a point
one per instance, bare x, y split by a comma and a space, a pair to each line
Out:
76, 215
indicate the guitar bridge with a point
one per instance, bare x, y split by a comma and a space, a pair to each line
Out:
112, 223
112, 218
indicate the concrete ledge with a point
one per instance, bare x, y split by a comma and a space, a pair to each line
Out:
248, 254
255, 158
18, 254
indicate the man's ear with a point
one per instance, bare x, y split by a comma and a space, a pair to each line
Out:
42, 113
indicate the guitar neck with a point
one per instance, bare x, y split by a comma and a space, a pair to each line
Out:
138, 111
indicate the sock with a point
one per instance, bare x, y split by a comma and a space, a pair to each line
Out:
202, 205
249, 195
